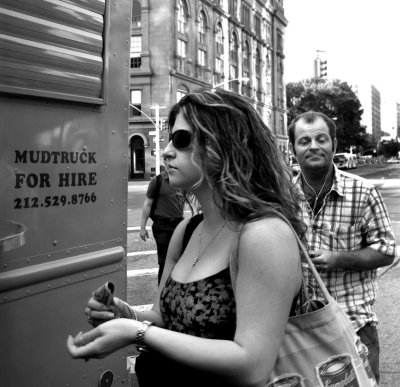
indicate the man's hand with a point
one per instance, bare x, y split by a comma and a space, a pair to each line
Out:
323, 260
144, 234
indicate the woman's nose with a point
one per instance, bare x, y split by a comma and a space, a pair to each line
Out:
168, 151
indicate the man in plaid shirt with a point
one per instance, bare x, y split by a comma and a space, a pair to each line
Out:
349, 235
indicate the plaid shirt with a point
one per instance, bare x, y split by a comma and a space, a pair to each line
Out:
353, 216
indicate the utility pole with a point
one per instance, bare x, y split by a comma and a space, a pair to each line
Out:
157, 138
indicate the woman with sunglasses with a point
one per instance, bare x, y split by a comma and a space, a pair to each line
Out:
210, 325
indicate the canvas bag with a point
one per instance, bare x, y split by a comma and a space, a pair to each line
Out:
320, 347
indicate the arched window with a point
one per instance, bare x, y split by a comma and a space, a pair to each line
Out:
202, 28
182, 38
202, 42
136, 14
182, 17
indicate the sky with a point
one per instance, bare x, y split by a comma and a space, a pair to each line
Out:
361, 39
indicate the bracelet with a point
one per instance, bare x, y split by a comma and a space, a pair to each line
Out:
139, 342
134, 313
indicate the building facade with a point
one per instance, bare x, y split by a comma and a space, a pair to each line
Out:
178, 46
370, 99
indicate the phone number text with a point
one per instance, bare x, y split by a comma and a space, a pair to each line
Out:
54, 201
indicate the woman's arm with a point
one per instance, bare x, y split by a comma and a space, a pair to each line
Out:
99, 313
268, 279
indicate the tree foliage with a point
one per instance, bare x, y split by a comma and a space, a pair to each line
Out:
389, 148
334, 98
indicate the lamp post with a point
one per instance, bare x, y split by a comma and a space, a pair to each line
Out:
156, 132
243, 79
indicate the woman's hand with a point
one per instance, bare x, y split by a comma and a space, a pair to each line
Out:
98, 313
103, 340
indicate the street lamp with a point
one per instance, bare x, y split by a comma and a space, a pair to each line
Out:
243, 79
156, 132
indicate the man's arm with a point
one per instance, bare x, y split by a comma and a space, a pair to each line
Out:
145, 216
364, 259
381, 246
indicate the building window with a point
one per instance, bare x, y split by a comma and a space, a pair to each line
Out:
181, 92
136, 52
246, 16
280, 43
219, 40
268, 65
182, 37
182, 17
269, 35
136, 14
234, 72
258, 70
257, 25
136, 101
201, 57
232, 7
246, 60
202, 28
246, 69
181, 48
219, 65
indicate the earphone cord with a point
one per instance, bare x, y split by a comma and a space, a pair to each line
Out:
319, 193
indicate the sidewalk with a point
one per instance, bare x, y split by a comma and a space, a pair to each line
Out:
388, 308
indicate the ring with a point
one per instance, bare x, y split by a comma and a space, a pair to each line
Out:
88, 315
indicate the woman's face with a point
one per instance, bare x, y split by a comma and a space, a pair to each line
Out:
180, 159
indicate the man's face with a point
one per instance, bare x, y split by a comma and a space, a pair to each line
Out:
313, 145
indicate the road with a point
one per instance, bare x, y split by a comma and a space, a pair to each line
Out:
142, 260
142, 264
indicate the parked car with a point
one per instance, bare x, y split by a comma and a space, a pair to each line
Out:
393, 160
345, 160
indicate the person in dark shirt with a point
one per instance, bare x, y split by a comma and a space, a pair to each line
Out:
168, 204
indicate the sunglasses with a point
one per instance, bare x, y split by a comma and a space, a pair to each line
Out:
181, 139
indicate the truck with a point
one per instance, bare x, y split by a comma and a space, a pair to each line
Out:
64, 91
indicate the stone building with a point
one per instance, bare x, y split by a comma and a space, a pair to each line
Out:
179, 45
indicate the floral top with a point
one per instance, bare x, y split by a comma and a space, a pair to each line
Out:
204, 308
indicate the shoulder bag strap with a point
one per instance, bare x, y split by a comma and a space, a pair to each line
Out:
233, 259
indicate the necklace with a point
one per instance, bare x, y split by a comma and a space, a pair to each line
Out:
208, 244
315, 193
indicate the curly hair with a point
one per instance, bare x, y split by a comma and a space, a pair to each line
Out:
239, 157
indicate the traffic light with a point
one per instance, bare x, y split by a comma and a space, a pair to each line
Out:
323, 68
163, 124
153, 152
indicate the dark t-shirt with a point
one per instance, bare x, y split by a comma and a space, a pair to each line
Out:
170, 201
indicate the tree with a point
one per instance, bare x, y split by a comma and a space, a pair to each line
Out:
389, 148
334, 98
